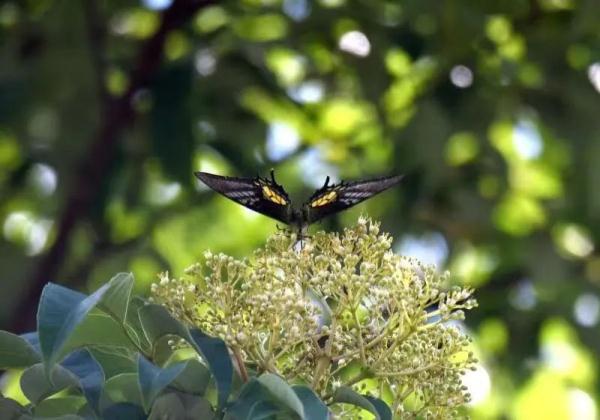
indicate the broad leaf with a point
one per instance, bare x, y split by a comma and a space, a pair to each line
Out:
33, 339
116, 299
250, 394
99, 329
59, 312
89, 374
215, 353
157, 323
385, 412
181, 406
282, 393
60, 406
314, 408
121, 389
349, 396
124, 411
153, 379
134, 325
36, 385
262, 410
16, 352
194, 379
115, 360
10, 409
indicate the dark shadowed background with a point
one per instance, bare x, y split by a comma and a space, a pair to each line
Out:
490, 108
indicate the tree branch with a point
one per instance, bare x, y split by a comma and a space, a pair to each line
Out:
117, 114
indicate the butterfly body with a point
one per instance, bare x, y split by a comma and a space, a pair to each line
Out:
267, 197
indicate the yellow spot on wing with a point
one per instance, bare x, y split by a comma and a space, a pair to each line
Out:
325, 199
271, 195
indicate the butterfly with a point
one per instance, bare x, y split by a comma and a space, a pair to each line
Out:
267, 197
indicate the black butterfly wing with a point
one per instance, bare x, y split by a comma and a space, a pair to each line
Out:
259, 194
331, 199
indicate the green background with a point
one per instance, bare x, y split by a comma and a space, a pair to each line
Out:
490, 108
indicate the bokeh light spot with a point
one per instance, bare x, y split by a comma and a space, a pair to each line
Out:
157, 4
287, 65
282, 140
44, 178
210, 19
523, 296
205, 62
478, 384
22, 228
573, 240
308, 92
398, 62
582, 405
587, 310
314, 168
461, 148
527, 140
355, 42
298, 10
461, 76
593, 73
430, 248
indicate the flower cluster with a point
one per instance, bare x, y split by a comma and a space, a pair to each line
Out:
343, 309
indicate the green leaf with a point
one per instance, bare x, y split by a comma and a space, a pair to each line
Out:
157, 323
61, 406
250, 394
116, 299
10, 409
134, 325
123, 388
16, 352
124, 411
153, 379
348, 395
385, 412
194, 379
89, 374
181, 406
314, 408
215, 353
33, 339
262, 410
115, 360
36, 386
98, 329
61, 311
282, 393
167, 406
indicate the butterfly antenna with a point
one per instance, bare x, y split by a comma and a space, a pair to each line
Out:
326, 182
273, 176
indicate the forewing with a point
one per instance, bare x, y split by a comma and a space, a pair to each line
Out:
335, 198
259, 194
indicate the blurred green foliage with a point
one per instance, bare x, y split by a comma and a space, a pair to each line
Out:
490, 108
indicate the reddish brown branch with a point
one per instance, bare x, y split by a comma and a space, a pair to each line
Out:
117, 114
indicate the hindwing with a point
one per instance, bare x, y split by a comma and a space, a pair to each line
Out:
262, 195
331, 199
